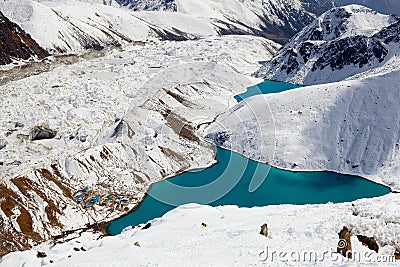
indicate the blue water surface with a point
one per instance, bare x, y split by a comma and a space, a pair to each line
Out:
228, 183
267, 87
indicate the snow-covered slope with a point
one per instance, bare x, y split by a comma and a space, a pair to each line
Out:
348, 127
72, 26
276, 19
382, 6
231, 237
85, 103
341, 43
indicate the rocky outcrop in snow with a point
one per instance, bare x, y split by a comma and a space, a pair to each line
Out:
341, 43
16, 44
139, 5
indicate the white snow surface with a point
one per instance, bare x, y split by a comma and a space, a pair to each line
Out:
231, 238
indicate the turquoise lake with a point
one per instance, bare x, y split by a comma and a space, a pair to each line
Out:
228, 183
267, 87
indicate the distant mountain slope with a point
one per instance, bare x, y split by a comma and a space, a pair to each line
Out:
382, 6
139, 5
276, 18
279, 18
73, 26
16, 44
85, 22
341, 43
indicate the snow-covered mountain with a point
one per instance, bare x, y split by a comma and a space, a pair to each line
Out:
16, 44
382, 6
277, 19
316, 7
135, 116
341, 43
72, 26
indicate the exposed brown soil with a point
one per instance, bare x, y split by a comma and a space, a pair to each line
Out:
49, 176
10, 239
369, 242
26, 186
344, 245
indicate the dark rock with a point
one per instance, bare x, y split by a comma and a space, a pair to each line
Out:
397, 254
19, 125
41, 132
2, 143
264, 230
83, 138
370, 242
147, 226
15, 162
344, 245
204, 224
139, 5
15, 43
41, 254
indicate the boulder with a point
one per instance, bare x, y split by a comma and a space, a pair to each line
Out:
264, 230
41, 132
147, 226
369, 242
41, 254
344, 244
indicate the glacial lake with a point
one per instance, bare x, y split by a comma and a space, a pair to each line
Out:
267, 87
230, 182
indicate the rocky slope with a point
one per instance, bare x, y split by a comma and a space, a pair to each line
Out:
139, 5
341, 43
17, 44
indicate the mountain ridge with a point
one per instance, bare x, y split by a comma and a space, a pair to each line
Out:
343, 42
